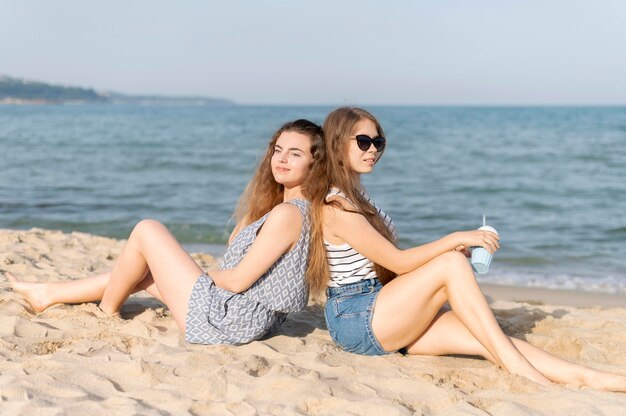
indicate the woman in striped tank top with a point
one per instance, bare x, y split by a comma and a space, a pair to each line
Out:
382, 299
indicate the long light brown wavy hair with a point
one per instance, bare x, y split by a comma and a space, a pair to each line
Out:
263, 193
339, 126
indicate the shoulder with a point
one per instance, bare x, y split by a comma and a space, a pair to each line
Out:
285, 213
340, 213
284, 222
338, 200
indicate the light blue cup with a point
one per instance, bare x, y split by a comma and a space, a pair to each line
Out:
481, 258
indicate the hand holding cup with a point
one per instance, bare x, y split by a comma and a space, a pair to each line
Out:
481, 257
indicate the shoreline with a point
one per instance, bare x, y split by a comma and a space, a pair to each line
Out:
496, 291
547, 296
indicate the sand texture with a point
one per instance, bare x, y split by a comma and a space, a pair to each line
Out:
72, 360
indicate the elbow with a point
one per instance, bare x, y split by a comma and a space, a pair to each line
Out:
234, 287
403, 265
400, 270
224, 280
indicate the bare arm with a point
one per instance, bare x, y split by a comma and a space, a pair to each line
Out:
277, 235
355, 230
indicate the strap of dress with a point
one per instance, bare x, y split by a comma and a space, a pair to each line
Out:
336, 192
302, 204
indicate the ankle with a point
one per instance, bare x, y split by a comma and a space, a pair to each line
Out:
108, 310
595, 379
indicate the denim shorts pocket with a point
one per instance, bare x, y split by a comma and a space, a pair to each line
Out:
351, 306
331, 324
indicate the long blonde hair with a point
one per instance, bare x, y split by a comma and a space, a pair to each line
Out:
263, 193
338, 128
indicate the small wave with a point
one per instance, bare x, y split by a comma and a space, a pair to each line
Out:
526, 261
610, 284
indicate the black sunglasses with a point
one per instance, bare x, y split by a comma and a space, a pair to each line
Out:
364, 142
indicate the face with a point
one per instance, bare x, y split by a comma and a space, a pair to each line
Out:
291, 159
363, 161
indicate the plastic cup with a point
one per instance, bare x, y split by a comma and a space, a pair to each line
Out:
481, 258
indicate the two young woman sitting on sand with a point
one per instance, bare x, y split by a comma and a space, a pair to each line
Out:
380, 299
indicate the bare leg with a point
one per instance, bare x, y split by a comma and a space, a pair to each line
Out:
152, 260
407, 305
447, 335
42, 295
149, 286
152, 247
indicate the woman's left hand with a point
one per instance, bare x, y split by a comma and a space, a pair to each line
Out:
477, 238
465, 250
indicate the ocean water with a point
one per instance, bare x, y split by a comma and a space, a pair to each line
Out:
550, 179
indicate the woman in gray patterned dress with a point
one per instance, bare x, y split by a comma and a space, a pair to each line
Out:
263, 274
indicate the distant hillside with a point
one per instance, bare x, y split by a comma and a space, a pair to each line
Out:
21, 91
117, 98
16, 89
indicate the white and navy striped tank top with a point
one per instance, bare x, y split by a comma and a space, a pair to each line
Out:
346, 265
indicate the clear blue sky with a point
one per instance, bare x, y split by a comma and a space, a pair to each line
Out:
326, 52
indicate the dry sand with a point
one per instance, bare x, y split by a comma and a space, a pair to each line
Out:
71, 360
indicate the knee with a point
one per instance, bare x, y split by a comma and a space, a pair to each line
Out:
454, 264
453, 259
146, 227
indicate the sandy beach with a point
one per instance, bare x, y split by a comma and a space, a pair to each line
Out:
72, 360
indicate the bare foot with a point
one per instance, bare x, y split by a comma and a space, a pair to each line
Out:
35, 293
115, 314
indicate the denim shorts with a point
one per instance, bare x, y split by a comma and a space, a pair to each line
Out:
349, 311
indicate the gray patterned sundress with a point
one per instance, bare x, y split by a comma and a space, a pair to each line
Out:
218, 316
